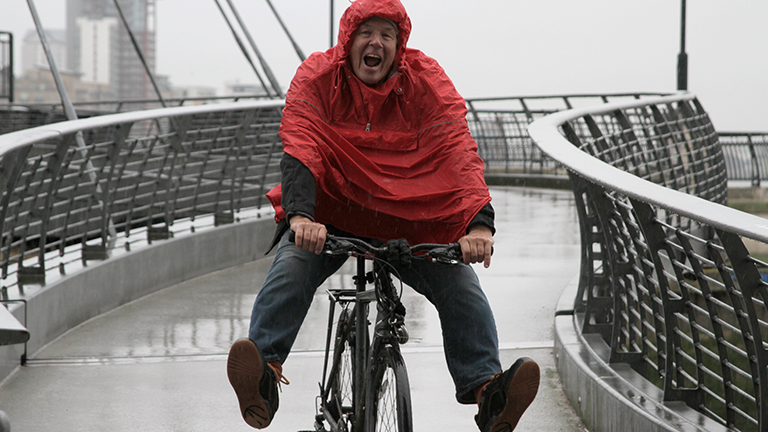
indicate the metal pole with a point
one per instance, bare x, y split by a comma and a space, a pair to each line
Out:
138, 51
332, 26
6, 77
242, 48
267, 70
285, 29
10, 66
69, 109
682, 58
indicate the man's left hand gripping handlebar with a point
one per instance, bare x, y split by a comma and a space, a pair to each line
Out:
477, 245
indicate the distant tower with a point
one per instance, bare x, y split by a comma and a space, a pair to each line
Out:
100, 48
32, 54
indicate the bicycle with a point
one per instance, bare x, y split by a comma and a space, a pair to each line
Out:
366, 386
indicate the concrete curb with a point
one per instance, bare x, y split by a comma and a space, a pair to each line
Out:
528, 180
105, 285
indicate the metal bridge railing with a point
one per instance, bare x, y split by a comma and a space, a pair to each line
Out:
140, 177
666, 278
500, 127
746, 155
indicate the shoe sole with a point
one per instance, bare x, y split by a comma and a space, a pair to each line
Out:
521, 391
245, 369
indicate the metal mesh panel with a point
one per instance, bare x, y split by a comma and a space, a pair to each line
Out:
143, 175
746, 156
679, 298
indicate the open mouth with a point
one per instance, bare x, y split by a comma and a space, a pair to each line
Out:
372, 60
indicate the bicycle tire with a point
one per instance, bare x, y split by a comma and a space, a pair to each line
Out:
340, 399
388, 399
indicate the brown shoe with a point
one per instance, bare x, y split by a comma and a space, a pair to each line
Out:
507, 396
255, 383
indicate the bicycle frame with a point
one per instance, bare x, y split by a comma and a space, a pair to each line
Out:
361, 298
372, 353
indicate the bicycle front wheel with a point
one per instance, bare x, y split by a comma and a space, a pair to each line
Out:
388, 399
339, 402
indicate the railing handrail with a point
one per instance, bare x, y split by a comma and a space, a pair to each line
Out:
545, 133
563, 96
14, 140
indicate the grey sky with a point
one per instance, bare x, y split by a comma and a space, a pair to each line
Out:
493, 47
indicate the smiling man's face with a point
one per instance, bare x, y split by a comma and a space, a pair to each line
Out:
373, 51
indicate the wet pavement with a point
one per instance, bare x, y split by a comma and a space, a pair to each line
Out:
159, 363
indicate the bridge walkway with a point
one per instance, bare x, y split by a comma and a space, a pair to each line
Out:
158, 364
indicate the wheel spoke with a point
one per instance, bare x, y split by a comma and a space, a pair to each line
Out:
346, 375
386, 418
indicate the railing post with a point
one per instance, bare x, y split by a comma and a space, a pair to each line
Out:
11, 167
754, 162
600, 304
752, 290
673, 373
54, 167
718, 329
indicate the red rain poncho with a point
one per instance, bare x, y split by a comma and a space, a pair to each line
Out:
394, 161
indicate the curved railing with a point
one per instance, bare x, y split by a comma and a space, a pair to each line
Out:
746, 155
671, 281
498, 124
74, 191
15, 117
500, 127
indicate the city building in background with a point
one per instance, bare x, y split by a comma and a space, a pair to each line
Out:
236, 88
36, 84
33, 55
97, 60
100, 48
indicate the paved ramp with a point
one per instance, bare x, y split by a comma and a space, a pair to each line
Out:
159, 364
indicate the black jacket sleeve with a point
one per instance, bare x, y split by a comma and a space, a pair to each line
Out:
298, 188
485, 216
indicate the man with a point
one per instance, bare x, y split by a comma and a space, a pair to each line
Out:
377, 145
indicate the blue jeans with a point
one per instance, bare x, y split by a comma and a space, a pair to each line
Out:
469, 330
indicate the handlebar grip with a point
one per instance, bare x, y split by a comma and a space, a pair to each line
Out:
292, 237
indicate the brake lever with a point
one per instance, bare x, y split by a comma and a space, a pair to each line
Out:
334, 247
450, 254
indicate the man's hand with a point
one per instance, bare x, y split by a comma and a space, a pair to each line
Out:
477, 245
310, 235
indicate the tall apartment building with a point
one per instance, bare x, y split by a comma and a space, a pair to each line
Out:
100, 48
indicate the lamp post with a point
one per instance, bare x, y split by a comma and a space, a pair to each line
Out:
332, 21
682, 58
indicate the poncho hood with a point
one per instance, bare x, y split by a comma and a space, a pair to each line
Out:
360, 11
392, 161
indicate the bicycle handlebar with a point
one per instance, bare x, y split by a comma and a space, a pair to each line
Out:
442, 253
